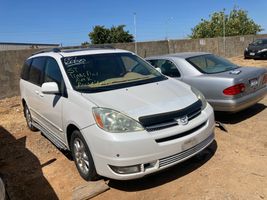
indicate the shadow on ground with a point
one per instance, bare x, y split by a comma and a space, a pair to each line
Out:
234, 118
21, 170
167, 175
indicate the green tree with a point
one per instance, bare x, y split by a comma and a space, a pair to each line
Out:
85, 44
116, 34
236, 23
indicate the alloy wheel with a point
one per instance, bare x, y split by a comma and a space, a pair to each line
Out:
81, 156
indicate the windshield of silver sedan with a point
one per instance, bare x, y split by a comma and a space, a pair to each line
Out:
102, 72
210, 64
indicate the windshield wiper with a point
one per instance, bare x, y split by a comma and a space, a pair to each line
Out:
134, 79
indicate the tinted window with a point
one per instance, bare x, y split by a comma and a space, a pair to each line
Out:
260, 42
210, 64
52, 72
167, 67
36, 71
26, 69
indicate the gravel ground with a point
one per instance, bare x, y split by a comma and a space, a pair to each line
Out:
233, 167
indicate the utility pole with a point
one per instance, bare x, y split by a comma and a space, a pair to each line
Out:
224, 45
168, 22
135, 36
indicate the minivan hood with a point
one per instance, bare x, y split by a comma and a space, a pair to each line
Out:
147, 99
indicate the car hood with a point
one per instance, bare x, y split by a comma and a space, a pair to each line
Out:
148, 99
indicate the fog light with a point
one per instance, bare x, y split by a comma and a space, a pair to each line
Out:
126, 169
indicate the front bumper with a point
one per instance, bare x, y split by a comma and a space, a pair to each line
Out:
255, 54
235, 105
141, 148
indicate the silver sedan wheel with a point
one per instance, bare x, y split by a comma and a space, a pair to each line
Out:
80, 156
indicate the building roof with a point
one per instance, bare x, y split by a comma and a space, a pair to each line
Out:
35, 44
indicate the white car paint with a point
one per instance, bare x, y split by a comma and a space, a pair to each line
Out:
54, 114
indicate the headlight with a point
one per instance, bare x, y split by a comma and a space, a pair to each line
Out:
200, 96
246, 49
114, 121
262, 50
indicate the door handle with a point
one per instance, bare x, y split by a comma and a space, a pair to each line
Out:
37, 92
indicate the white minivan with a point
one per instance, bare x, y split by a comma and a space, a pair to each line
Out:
118, 116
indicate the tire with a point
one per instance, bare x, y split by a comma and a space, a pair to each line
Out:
2, 190
82, 157
28, 118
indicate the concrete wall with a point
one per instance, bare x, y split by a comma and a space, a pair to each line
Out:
232, 46
11, 61
10, 66
21, 46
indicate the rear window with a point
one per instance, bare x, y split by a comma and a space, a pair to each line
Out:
210, 64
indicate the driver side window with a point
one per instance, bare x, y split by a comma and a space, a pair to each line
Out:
167, 67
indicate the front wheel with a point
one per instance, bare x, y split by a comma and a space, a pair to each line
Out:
82, 157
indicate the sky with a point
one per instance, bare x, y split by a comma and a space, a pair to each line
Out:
68, 22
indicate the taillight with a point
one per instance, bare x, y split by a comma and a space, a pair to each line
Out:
264, 81
235, 89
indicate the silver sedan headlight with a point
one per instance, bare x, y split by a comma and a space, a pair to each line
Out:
114, 121
200, 96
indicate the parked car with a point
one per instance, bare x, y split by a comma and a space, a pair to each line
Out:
226, 86
257, 49
118, 116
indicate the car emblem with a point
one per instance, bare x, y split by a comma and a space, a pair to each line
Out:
183, 120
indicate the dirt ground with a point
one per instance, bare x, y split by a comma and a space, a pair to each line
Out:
233, 167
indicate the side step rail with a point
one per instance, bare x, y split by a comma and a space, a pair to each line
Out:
51, 137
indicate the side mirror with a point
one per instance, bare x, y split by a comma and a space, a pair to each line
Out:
158, 69
50, 88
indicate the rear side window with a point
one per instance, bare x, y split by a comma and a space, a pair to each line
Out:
26, 69
36, 70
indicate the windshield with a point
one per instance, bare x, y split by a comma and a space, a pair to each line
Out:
102, 72
210, 64
259, 42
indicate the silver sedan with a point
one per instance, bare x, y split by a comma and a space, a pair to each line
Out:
226, 86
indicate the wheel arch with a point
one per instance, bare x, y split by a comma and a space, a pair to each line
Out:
70, 129
23, 104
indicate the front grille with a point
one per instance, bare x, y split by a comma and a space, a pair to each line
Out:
179, 156
173, 137
166, 120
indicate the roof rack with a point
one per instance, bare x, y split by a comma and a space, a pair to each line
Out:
76, 48
56, 50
